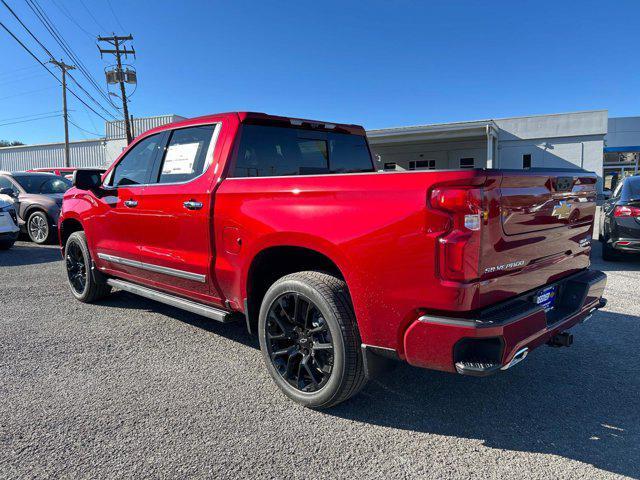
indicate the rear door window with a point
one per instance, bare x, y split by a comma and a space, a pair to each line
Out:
136, 167
188, 154
280, 151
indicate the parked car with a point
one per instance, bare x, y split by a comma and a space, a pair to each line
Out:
9, 229
336, 267
620, 220
66, 172
38, 198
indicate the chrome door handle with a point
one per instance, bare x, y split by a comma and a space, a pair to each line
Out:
192, 205
131, 203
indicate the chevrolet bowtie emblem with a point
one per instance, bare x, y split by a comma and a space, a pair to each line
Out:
562, 210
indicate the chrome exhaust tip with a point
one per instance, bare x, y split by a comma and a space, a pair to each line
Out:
517, 358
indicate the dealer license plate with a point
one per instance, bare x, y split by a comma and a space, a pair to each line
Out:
546, 298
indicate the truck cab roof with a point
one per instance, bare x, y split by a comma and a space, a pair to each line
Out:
264, 118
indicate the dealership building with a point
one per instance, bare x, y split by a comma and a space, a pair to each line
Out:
587, 140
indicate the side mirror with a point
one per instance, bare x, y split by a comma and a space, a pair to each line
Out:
8, 191
88, 179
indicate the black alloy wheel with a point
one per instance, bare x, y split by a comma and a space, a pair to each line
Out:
84, 284
76, 268
299, 342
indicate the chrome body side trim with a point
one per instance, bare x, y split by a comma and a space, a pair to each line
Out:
449, 321
196, 277
178, 302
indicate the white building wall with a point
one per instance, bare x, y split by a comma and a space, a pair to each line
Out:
113, 149
116, 130
623, 132
87, 153
568, 152
446, 154
100, 152
553, 126
567, 140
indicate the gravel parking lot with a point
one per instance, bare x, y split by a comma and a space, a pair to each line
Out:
133, 388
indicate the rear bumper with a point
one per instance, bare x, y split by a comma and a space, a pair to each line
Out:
626, 244
501, 335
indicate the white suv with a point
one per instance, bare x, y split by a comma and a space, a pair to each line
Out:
8, 222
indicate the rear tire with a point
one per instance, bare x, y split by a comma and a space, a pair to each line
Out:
80, 275
309, 316
39, 228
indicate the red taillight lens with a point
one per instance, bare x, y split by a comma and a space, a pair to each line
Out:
459, 200
624, 211
460, 247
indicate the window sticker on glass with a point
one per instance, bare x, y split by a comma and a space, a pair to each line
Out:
180, 158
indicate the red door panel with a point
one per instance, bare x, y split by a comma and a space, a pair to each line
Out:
115, 229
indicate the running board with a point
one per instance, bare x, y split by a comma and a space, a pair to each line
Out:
168, 299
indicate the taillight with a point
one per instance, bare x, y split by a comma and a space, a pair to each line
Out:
460, 246
624, 211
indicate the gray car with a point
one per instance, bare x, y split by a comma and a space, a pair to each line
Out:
38, 199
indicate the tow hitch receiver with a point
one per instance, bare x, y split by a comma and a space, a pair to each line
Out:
563, 339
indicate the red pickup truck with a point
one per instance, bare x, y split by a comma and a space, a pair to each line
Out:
336, 267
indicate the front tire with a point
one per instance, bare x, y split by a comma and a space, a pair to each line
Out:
39, 228
309, 339
82, 281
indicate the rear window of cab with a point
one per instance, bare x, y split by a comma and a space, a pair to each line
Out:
266, 151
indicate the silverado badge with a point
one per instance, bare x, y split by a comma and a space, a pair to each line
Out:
562, 210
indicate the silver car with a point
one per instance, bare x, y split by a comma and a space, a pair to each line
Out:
38, 199
8, 222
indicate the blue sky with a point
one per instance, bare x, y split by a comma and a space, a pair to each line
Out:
376, 63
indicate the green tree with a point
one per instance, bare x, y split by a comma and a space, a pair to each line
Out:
7, 143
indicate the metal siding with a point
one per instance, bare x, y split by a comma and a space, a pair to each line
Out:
82, 154
140, 125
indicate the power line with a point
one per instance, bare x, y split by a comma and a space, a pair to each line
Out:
50, 72
115, 16
21, 78
52, 56
31, 120
13, 70
91, 15
67, 14
26, 93
57, 36
84, 130
27, 116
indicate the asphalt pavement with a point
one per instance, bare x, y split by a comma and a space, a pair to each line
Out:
132, 388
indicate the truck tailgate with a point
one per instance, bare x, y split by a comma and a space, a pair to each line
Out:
537, 229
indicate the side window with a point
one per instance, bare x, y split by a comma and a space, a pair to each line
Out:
5, 183
135, 168
188, 154
526, 161
468, 162
349, 154
422, 165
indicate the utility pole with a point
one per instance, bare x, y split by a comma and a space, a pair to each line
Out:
63, 68
118, 50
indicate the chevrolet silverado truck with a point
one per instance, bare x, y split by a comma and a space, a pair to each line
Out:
338, 268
